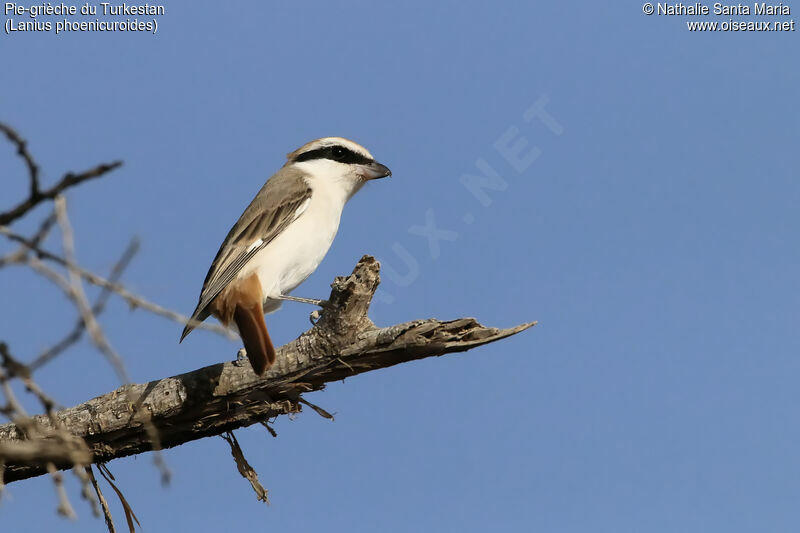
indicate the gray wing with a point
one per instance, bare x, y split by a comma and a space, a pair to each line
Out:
275, 206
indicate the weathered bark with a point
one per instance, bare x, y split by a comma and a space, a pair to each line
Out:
219, 398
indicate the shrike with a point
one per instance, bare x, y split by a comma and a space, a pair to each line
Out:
281, 238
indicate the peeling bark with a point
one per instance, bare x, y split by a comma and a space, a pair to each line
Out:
222, 397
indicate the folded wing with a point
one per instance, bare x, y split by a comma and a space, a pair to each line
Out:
279, 203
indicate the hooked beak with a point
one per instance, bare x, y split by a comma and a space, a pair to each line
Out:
374, 170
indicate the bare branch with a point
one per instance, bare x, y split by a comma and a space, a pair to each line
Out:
103, 503
22, 150
98, 338
129, 514
77, 332
69, 180
317, 409
223, 397
64, 507
15, 369
36, 195
78, 296
86, 488
19, 255
132, 299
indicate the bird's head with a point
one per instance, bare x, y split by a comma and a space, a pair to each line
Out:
339, 161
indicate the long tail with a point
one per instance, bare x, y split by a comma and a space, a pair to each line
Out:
253, 330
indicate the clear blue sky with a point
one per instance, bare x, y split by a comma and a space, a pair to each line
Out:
654, 238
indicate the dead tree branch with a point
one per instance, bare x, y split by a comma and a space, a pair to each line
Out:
220, 398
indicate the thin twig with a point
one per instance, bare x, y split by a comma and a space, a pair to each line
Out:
133, 300
36, 195
317, 409
22, 150
19, 255
64, 507
69, 291
103, 502
269, 428
79, 296
129, 514
16, 369
69, 180
80, 326
86, 491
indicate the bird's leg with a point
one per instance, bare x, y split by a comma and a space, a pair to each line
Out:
315, 314
312, 301
241, 357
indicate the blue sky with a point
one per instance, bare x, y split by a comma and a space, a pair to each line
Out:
654, 238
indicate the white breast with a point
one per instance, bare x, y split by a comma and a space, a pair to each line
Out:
299, 249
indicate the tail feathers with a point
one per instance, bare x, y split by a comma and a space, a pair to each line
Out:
253, 330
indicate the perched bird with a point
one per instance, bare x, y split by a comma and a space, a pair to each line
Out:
281, 238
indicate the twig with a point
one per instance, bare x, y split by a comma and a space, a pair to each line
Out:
269, 428
36, 195
14, 409
86, 491
21, 253
77, 331
22, 150
133, 300
64, 507
129, 514
100, 342
79, 296
317, 409
103, 503
247, 471
15, 369
69, 180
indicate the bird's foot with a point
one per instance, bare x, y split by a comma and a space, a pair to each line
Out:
241, 357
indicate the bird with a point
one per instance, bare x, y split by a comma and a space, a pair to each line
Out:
280, 239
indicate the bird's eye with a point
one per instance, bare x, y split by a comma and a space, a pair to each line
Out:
338, 152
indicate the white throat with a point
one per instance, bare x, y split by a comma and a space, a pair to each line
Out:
336, 182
